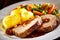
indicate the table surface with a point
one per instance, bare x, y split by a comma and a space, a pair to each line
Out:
4, 3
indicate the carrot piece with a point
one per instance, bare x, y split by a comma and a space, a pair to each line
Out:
46, 8
43, 5
29, 8
51, 9
37, 12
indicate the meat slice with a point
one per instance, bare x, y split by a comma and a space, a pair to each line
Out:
49, 23
25, 29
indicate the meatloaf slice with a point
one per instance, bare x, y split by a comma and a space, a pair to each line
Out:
26, 29
49, 23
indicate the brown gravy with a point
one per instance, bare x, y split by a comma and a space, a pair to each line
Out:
39, 33
35, 34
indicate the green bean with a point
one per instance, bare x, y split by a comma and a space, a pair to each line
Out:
38, 9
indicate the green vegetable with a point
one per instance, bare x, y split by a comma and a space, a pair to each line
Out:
38, 9
25, 6
44, 12
55, 12
36, 5
40, 5
48, 4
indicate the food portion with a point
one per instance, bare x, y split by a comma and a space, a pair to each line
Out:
42, 9
49, 23
26, 15
17, 16
10, 21
31, 20
26, 29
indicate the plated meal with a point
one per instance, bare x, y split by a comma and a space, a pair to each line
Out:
31, 20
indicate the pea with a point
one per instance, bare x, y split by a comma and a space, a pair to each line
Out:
44, 12
39, 4
47, 4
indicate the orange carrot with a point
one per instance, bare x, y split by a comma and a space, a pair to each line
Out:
51, 9
46, 8
29, 8
37, 12
43, 5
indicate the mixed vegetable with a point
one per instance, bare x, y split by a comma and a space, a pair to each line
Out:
23, 13
42, 9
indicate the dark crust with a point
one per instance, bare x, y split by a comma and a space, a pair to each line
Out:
9, 31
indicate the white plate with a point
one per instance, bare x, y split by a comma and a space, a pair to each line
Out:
49, 36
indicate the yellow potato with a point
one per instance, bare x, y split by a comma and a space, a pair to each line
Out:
25, 15
11, 21
17, 16
15, 12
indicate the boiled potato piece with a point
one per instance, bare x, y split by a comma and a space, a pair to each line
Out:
15, 12
25, 15
11, 21
17, 16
